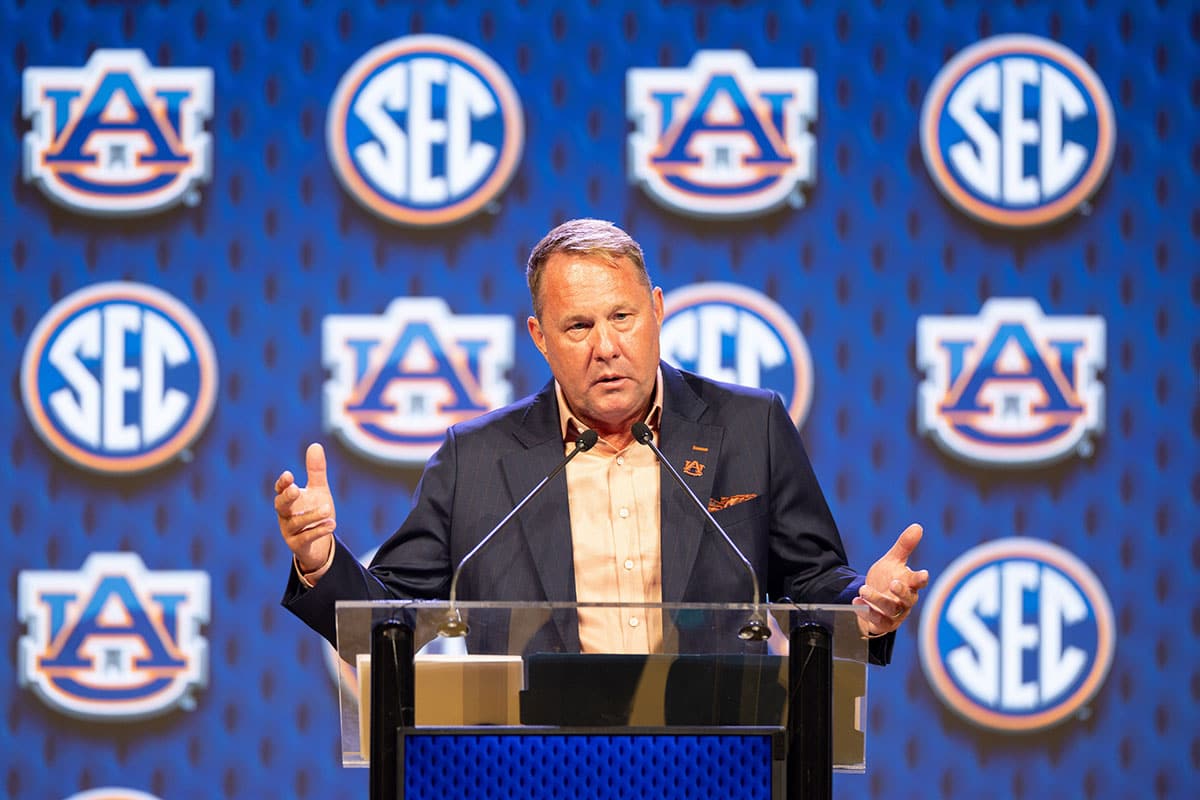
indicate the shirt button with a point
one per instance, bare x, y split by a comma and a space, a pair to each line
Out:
623, 513
620, 461
629, 563
633, 622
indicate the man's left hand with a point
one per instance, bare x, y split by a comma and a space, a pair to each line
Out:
891, 588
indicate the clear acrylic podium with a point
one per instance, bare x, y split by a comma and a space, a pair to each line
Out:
513, 709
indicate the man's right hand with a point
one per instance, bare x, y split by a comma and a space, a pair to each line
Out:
306, 516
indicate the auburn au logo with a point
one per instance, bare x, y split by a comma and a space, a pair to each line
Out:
118, 136
1017, 131
1011, 386
119, 377
425, 130
722, 138
113, 640
399, 380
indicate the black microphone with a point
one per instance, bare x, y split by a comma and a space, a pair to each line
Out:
454, 624
755, 629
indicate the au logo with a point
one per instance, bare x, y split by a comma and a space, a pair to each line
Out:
398, 380
1017, 635
1017, 131
735, 334
118, 136
425, 130
113, 640
1011, 386
119, 377
722, 138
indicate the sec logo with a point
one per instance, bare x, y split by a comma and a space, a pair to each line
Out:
425, 130
119, 378
1017, 131
1017, 635
732, 333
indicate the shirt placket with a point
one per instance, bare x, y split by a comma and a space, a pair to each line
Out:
628, 551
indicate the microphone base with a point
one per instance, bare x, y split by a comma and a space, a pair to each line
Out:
454, 627
754, 631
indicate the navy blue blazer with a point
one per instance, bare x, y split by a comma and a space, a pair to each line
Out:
744, 443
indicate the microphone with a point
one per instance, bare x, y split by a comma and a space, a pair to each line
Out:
455, 625
755, 629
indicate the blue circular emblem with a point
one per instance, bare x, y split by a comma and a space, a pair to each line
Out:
1017, 131
425, 130
732, 333
1017, 635
119, 377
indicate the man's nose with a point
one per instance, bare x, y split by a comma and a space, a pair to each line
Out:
604, 345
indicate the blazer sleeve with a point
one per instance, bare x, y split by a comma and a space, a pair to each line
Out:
808, 562
807, 559
413, 563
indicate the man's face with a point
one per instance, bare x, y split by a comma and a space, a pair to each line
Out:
599, 332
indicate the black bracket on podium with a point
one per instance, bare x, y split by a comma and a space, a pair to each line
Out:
810, 713
392, 704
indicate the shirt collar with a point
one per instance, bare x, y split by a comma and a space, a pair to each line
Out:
571, 426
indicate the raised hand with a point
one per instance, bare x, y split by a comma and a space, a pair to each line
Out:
891, 588
306, 515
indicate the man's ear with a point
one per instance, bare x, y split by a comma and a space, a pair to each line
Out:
535, 333
656, 300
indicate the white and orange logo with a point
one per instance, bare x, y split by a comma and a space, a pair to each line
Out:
119, 378
400, 379
425, 130
1017, 131
118, 137
1011, 386
113, 640
722, 138
1017, 635
732, 333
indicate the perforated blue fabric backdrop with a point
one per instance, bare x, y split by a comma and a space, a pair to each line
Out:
272, 242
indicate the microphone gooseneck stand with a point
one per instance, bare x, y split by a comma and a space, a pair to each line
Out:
755, 629
393, 678
455, 625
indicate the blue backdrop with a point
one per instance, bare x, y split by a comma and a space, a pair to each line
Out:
270, 244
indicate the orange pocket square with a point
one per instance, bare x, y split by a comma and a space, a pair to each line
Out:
718, 503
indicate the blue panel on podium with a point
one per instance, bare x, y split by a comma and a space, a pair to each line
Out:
599, 765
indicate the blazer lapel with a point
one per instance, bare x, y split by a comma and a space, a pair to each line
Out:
546, 521
693, 449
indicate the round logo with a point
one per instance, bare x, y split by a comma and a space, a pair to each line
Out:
1017, 635
119, 377
731, 333
112, 793
425, 130
1017, 131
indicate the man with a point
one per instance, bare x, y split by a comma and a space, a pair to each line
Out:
614, 529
